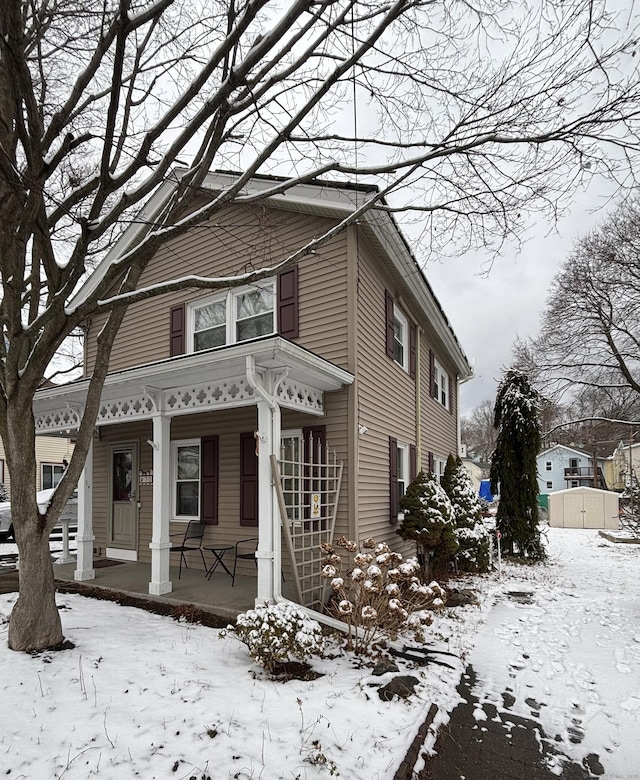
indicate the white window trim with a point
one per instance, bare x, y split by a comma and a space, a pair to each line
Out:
174, 478
549, 485
439, 465
548, 466
398, 315
441, 381
229, 296
53, 466
404, 471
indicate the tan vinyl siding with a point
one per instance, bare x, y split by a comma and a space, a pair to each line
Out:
385, 404
439, 425
237, 241
49, 449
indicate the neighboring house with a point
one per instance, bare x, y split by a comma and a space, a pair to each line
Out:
625, 458
561, 467
52, 455
476, 470
220, 406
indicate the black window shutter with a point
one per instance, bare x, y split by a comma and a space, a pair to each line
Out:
288, 303
248, 480
177, 323
393, 481
413, 461
209, 479
412, 351
431, 462
432, 374
389, 323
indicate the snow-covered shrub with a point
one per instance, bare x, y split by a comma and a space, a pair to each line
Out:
376, 592
277, 633
428, 520
4, 495
473, 538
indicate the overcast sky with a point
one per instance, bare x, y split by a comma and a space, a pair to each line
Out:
487, 312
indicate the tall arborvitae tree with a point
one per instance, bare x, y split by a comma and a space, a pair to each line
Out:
513, 466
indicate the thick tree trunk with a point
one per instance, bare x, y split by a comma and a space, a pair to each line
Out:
35, 621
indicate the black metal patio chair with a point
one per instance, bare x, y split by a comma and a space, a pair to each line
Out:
191, 542
245, 549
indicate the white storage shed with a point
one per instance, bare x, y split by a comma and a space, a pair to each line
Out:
584, 507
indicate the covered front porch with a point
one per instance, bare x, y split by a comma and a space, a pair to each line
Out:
269, 374
215, 595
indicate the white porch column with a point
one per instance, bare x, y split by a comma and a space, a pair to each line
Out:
268, 554
160, 542
84, 535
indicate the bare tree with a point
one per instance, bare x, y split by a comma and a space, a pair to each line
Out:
588, 350
470, 113
477, 431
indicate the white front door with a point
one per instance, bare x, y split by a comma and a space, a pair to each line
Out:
123, 497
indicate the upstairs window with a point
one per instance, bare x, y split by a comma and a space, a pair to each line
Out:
233, 316
548, 466
400, 336
440, 384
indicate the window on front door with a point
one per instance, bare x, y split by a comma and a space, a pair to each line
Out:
186, 479
233, 316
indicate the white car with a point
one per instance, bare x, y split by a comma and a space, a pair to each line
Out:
42, 497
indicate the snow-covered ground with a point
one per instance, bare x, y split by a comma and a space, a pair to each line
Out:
564, 641
142, 695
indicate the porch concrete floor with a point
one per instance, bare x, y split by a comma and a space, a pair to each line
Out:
215, 595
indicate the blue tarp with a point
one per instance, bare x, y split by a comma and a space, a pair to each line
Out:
485, 490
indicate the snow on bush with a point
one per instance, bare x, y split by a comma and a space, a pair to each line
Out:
429, 521
376, 592
278, 633
473, 538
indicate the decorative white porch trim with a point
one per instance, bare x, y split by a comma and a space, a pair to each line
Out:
184, 399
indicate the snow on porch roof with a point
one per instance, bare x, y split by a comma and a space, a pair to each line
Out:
184, 373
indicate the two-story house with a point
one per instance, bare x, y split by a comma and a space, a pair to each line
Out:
300, 405
561, 467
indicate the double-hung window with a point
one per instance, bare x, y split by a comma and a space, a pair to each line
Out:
51, 474
233, 316
403, 469
440, 384
400, 338
186, 479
